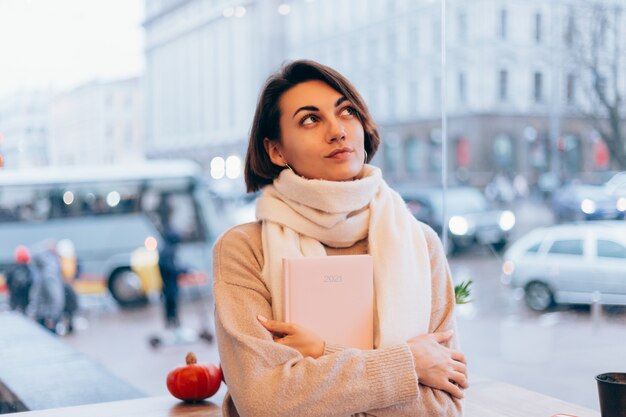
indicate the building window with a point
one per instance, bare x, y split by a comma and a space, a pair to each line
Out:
391, 44
436, 35
462, 27
372, 100
108, 133
538, 87
392, 154
436, 93
462, 93
503, 85
571, 89
571, 158
128, 134
538, 33
413, 38
391, 103
413, 97
462, 153
434, 151
373, 47
414, 151
502, 24
503, 152
108, 100
355, 49
570, 29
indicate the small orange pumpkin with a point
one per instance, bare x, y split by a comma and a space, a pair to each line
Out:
194, 382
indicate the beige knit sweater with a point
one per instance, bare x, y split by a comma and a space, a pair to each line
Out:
267, 379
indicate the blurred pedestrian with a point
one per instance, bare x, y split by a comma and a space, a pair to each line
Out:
521, 186
170, 271
69, 271
20, 280
47, 297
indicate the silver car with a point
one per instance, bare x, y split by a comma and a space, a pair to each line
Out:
569, 264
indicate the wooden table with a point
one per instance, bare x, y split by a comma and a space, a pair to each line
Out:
485, 398
488, 398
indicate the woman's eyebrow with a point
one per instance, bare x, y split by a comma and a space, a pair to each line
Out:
313, 108
303, 108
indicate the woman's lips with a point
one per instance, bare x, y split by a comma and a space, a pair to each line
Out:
339, 153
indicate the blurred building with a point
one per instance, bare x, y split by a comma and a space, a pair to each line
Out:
205, 63
24, 129
514, 86
97, 123
515, 83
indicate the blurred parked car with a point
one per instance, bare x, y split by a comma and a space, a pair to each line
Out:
567, 264
586, 202
616, 185
470, 221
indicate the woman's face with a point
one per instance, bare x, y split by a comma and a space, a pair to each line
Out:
321, 134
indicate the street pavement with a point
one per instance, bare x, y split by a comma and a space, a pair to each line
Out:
120, 340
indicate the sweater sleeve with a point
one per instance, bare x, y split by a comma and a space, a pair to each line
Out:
436, 402
261, 372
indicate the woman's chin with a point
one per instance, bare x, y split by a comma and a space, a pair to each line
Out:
347, 173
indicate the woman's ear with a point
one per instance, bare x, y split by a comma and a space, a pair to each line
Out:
272, 147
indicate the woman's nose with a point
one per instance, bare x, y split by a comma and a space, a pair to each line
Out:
336, 131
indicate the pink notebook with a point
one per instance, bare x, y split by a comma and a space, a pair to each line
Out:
333, 296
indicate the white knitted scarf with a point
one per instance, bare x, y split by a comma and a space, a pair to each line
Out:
299, 215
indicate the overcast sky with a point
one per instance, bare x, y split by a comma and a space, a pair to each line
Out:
63, 43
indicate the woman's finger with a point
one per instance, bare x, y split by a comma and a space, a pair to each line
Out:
443, 337
460, 379
275, 326
460, 367
453, 390
457, 355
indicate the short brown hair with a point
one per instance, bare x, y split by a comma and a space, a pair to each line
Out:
259, 169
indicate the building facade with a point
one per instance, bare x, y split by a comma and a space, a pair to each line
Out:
24, 129
514, 91
97, 123
205, 63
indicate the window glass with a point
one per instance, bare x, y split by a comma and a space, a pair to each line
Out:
503, 85
538, 87
502, 24
566, 247
519, 112
534, 248
538, 27
611, 249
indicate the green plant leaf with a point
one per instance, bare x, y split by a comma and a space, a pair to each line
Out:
462, 292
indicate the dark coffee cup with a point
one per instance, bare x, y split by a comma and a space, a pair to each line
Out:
612, 393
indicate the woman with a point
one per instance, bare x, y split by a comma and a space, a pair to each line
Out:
310, 140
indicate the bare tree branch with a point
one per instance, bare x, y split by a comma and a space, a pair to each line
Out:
598, 56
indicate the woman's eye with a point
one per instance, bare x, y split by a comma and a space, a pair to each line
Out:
308, 119
348, 111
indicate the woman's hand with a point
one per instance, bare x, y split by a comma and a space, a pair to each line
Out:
437, 365
297, 337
